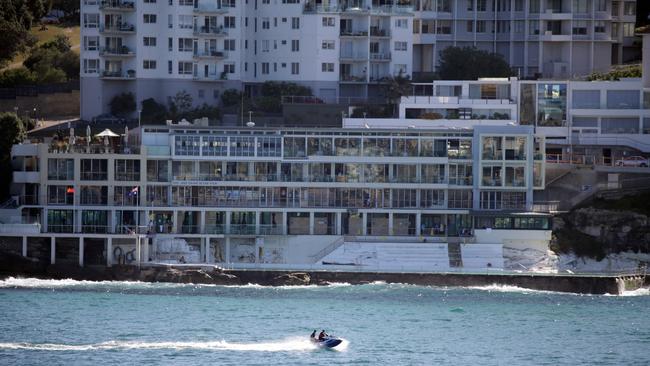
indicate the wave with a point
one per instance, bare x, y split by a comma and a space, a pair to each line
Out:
643, 291
295, 344
513, 289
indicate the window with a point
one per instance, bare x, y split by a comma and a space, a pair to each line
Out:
580, 6
443, 27
185, 68
295, 45
628, 29
185, 45
401, 23
586, 99
444, 6
94, 169
229, 68
470, 26
60, 195
149, 64
601, 5
149, 18
265, 45
599, 26
149, 41
580, 27
629, 8
400, 46
534, 6
170, 67
91, 66
170, 44
170, 21
623, 99
229, 44
400, 69
91, 20
60, 169
94, 195
295, 23
265, 68
229, 22
295, 68
215, 146
519, 5
480, 26
327, 45
127, 170
185, 22
481, 5
328, 22
327, 67
91, 43
266, 24
157, 171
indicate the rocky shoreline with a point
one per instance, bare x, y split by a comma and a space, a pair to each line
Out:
16, 266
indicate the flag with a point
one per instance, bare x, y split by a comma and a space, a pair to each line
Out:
134, 191
70, 190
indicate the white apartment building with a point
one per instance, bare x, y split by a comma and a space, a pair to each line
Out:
155, 48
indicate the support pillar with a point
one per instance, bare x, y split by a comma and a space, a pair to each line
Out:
81, 251
138, 251
311, 223
339, 221
203, 251
207, 249
227, 249
52, 250
24, 246
390, 224
145, 249
109, 252
418, 224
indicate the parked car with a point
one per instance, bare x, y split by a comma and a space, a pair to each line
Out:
638, 161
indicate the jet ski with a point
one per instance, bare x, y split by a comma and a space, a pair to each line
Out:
327, 342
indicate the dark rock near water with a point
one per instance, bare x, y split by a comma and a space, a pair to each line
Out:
291, 279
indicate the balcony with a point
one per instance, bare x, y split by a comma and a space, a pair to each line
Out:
380, 57
117, 5
392, 10
352, 79
210, 54
242, 229
24, 150
554, 37
222, 76
117, 52
555, 14
120, 28
354, 57
210, 8
311, 8
117, 75
26, 177
350, 33
379, 33
210, 31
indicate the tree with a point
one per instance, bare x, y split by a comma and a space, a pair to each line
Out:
469, 63
54, 55
13, 132
153, 112
180, 104
396, 87
19, 76
123, 104
69, 7
231, 97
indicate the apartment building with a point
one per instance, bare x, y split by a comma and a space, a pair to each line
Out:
155, 48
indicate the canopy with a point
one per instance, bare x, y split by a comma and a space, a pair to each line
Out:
107, 133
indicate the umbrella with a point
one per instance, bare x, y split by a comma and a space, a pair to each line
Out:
107, 133
126, 135
72, 138
88, 135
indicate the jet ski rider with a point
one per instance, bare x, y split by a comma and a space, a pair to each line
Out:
322, 335
313, 334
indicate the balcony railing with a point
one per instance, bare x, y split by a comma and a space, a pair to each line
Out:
378, 32
220, 30
210, 8
116, 51
242, 229
118, 75
117, 28
380, 56
351, 33
215, 229
209, 54
270, 229
352, 78
117, 5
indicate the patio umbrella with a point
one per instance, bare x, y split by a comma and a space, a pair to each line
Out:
106, 134
88, 135
126, 135
72, 138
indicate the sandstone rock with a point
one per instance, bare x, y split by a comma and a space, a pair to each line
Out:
291, 279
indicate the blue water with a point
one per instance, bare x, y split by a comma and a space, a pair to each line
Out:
82, 323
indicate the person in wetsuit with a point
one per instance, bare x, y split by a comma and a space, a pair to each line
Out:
322, 335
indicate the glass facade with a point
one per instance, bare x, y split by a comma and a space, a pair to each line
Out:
551, 104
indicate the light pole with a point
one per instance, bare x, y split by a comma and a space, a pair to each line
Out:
250, 122
139, 117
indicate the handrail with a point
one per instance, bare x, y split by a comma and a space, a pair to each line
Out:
328, 249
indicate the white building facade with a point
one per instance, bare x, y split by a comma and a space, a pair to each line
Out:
156, 48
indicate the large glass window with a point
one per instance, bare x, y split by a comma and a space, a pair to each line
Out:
127, 170
94, 195
269, 146
187, 145
126, 196
376, 147
623, 99
619, 125
586, 99
60, 169
459, 198
347, 146
294, 147
60, 221
157, 170
527, 113
460, 174
183, 170
432, 198
492, 148
210, 170
319, 146
405, 173
515, 176
515, 148
376, 173
94, 221
491, 176
242, 146
405, 147
215, 146
94, 169
157, 195
60, 195
551, 104
432, 173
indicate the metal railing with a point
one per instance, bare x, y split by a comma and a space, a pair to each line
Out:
328, 249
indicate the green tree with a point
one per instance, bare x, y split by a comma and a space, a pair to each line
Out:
469, 63
180, 104
14, 32
69, 7
19, 76
123, 104
54, 55
396, 87
13, 132
231, 97
153, 112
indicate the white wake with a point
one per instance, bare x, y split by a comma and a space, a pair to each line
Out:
295, 344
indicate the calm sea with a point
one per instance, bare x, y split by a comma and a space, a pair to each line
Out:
83, 323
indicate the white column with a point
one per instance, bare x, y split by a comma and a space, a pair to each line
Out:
418, 224
207, 249
138, 251
203, 251
145, 249
81, 251
52, 250
390, 224
109, 252
24, 246
339, 221
311, 223
285, 227
227, 250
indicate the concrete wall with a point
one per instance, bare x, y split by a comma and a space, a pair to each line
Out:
47, 105
519, 239
299, 248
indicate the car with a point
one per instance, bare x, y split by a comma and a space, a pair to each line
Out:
638, 161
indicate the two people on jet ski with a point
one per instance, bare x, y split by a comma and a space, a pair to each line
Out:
321, 335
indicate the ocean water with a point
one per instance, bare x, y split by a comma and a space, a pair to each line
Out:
46, 322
